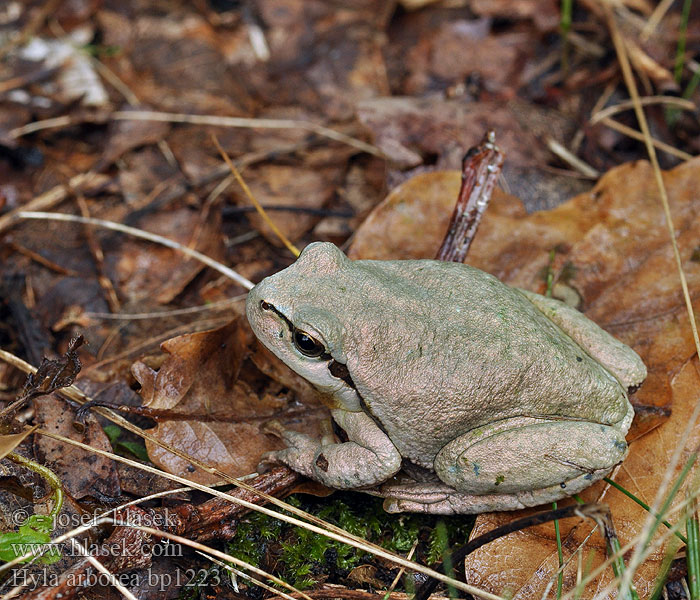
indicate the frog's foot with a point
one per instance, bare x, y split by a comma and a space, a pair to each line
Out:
442, 499
515, 456
367, 459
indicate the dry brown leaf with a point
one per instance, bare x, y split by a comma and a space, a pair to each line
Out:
10, 441
126, 135
327, 59
200, 378
147, 272
409, 129
612, 248
81, 472
292, 186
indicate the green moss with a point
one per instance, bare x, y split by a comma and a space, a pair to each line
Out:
303, 558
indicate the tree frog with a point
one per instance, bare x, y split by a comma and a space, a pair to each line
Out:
488, 396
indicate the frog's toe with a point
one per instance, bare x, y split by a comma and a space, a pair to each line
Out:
267, 461
273, 427
440, 499
299, 459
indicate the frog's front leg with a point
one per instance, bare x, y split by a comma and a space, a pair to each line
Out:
368, 458
528, 455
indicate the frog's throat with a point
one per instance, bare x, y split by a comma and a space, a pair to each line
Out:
329, 396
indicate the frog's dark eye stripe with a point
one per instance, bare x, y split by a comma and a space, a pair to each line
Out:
269, 307
307, 345
340, 371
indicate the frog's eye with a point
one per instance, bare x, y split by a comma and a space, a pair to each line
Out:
307, 345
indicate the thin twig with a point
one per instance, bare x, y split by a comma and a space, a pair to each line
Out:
218, 305
481, 167
144, 235
609, 111
234, 171
214, 120
634, 134
99, 258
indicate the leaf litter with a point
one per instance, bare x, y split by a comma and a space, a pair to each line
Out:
420, 83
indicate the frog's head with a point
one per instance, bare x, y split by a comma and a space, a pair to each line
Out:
293, 313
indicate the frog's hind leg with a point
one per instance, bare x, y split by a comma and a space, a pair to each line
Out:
619, 359
526, 461
444, 500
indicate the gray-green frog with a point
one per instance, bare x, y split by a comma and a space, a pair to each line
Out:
490, 397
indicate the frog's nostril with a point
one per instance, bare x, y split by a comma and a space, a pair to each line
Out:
265, 305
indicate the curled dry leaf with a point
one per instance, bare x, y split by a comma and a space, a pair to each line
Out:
611, 246
10, 441
206, 379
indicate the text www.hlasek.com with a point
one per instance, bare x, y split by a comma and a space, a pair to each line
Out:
97, 550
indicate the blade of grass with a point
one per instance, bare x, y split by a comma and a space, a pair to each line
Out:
652, 523
669, 101
565, 28
644, 126
246, 190
692, 530
144, 235
560, 555
643, 504
51, 479
618, 567
447, 565
662, 575
692, 84
212, 120
680, 48
672, 493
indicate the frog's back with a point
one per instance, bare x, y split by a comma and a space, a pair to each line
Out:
461, 349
